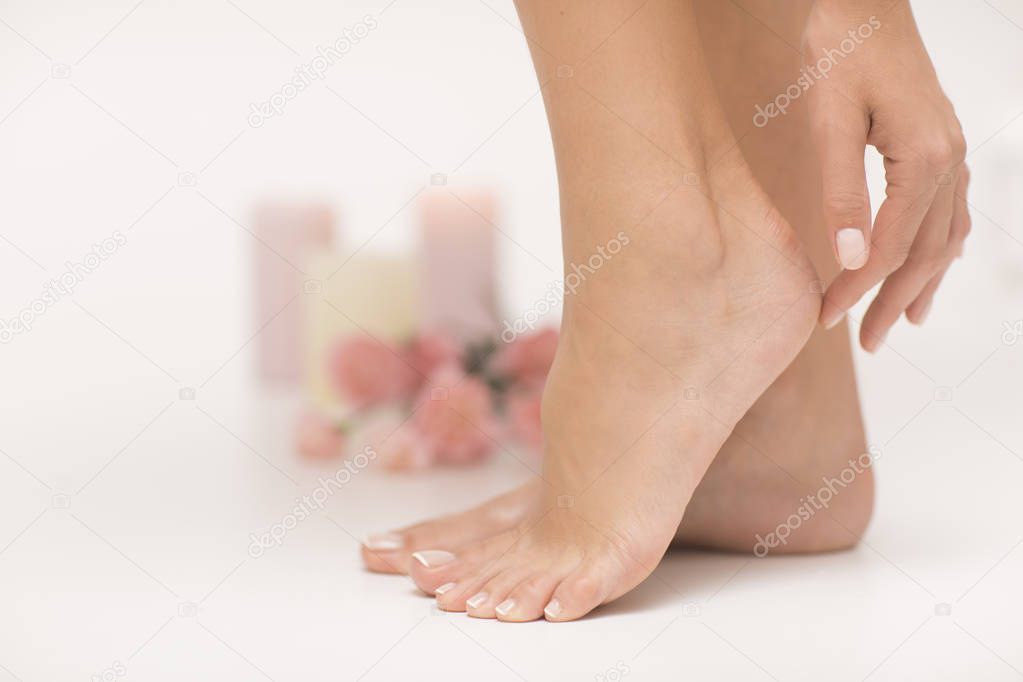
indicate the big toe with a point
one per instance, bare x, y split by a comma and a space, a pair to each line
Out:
392, 552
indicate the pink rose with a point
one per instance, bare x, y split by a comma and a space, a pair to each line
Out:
456, 416
369, 372
524, 418
318, 437
432, 350
528, 358
402, 448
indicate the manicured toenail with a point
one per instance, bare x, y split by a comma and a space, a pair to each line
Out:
553, 609
432, 558
505, 607
443, 588
477, 601
385, 541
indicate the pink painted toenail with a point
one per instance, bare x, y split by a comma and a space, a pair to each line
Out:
443, 588
553, 609
432, 558
385, 541
477, 601
505, 607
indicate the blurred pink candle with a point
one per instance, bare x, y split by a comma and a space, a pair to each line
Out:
290, 233
457, 263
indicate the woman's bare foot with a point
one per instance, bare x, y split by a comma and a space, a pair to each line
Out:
807, 425
660, 357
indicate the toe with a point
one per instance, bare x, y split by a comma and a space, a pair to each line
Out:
385, 553
494, 595
455, 596
527, 600
391, 552
583, 590
431, 568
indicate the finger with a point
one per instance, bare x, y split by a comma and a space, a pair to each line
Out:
928, 257
961, 221
961, 225
919, 309
895, 228
840, 134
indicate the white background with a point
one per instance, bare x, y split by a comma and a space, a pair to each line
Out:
124, 510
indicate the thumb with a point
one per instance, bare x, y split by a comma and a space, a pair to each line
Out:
840, 134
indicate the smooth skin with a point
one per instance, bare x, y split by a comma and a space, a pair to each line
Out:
805, 426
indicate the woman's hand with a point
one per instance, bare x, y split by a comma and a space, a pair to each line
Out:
873, 84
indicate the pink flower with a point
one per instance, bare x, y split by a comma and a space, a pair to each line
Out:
456, 416
318, 437
432, 350
402, 448
369, 372
524, 418
528, 358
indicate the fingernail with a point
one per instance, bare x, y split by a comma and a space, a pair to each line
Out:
477, 600
553, 609
432, 558
924, 313
443, 588
831, 315
852, 250
505, 607
384, 541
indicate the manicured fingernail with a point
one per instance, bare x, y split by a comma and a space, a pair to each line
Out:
831, 315
553, 609
443, 588
833, 319
432, 558
476, 601
852, 249
505, 607
385, 541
